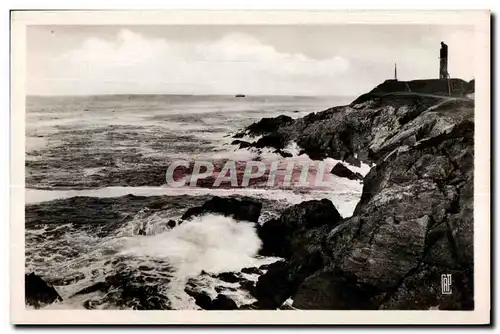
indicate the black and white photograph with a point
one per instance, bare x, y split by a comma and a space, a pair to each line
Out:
254, 167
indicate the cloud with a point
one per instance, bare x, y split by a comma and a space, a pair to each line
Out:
134, 63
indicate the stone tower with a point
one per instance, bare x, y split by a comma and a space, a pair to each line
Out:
443, 61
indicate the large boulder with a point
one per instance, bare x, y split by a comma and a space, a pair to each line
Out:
281, 236
274, 287
283, 278
245, 209
342, 171
37, 292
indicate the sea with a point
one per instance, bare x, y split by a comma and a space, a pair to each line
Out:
86, 154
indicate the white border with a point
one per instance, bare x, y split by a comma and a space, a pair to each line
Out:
480, 20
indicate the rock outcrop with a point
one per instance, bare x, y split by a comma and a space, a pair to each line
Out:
342, 171
245, 209
284, 236
37, 292
265, 126
414, 221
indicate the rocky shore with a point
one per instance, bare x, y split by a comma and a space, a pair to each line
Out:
413, 224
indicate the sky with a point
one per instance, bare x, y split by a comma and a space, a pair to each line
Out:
318, 60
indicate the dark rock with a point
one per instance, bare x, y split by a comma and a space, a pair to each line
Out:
128, 290
470, 87
223, 302
249, 286
245, 209
284, 154
240, 134
286, 307
242, 143
273, 288
251, 270
280, 236
229, 277
202, 299
274, 140
171, 223
37, 292
264, 267
220, 289
351, 160
342, 171
89, 304
268, 125
427, 86
327, 291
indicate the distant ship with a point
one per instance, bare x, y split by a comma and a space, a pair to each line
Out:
240, 95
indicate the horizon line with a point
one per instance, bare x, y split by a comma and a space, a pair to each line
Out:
181, 94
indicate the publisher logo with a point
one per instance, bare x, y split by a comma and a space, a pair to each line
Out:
446, 284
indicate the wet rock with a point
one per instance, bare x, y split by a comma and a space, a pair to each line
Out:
37, 292
249, 286
281, 236
284, 154
245, 209
286, 307
223, 302
274, 140
342, 171
221, 288
283, 278
252, 270
128, 289
229, 277
273, 288
268, 125
264, 266
202, 299
171, 223
242, 143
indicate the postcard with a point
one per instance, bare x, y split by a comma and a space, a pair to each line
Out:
250, 167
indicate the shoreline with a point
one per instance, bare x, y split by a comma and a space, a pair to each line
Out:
412, 222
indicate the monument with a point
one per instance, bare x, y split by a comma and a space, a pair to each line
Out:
443, 61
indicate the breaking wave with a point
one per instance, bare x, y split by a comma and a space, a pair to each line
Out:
212, 243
